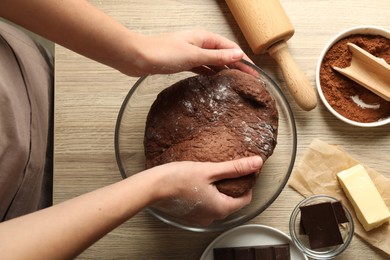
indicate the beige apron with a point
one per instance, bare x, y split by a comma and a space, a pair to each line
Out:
26, 94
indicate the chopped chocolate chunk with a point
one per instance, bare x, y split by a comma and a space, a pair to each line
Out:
339, 212
244, 253
266, 252
281, 252
224, 254
319, 222
302, 230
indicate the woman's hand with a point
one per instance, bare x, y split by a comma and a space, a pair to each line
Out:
189, 192
180, 51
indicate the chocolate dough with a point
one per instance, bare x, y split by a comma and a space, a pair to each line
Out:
216, 118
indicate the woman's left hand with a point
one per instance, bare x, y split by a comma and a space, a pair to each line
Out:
180, 51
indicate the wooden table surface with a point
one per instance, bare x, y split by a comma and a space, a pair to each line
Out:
88, 96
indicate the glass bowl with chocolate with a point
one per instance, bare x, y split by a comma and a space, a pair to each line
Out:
321, 227
219, 114
346, 99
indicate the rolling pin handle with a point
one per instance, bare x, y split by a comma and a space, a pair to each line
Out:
297, 83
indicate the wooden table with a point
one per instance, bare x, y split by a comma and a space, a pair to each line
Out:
89, 95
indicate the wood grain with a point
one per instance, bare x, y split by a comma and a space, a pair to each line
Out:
88, 96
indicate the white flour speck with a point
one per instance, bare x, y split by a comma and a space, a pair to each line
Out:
221, 92
188, 105
247, 139
178, 207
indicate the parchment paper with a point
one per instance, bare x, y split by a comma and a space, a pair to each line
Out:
317, 174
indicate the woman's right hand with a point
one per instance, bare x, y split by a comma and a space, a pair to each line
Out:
188, 191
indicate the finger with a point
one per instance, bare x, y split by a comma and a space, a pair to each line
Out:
218, 68
235, 168
243, 65
208, 40
246, 67
222, 210
208, 70
219, 57
203, 70
235, 204
220, 48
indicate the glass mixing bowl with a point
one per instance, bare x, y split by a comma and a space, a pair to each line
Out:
129, 149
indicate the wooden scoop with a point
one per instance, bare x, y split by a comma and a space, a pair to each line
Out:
369, 71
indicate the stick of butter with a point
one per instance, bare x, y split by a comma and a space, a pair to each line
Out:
369, 206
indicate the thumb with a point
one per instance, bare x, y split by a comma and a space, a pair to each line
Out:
236, 168
221, 57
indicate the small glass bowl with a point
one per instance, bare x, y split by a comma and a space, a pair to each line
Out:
302, 241
369, 30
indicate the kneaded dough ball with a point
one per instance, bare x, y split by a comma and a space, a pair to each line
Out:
216, 118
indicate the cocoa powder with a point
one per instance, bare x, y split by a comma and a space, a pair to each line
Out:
348, 98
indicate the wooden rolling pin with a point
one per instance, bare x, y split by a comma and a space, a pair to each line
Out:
267, 28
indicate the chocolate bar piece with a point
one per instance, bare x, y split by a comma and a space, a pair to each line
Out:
244, 253
320, 224
281, 252
338, 212
224, 253
266, 252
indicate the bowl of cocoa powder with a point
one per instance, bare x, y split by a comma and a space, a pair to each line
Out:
344, 98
